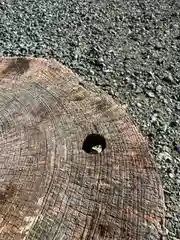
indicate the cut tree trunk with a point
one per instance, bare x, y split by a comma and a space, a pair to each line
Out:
72, 164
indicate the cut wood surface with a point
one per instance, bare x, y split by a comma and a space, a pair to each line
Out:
72, 164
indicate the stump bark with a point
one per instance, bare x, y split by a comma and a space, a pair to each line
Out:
72, 164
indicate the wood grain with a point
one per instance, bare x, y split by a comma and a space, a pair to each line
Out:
50, 188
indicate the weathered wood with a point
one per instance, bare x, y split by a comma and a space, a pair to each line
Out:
52, 185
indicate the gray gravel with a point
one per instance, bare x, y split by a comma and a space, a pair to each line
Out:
129, 48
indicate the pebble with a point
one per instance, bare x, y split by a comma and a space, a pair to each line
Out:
159, 88
166, 149
151, 94
139, 104
97, 149
171, 175
164, 156
168, 215
168, 78
165, 100
178, 106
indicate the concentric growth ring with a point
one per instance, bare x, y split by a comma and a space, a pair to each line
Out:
72, 165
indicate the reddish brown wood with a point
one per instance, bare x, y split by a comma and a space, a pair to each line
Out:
50, 188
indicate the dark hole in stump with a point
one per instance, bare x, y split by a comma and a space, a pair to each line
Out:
94, 143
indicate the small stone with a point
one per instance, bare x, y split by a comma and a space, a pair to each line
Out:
168, 78
169, 215
154, 118
158, 88
166, 149
158, 46
101, 60
164, 156
116, 94
178, 181
139, 104
111, 92
178, 106
151, 74
124, 106
139, 90
151, 94
165, 100
149, 85
171, 175
97, 149
165, 127
91, 72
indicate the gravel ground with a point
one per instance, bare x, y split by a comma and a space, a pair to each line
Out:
131, 49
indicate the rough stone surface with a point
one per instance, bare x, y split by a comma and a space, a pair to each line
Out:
128, 48
52, 185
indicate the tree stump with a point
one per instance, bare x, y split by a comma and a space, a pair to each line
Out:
72, 164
